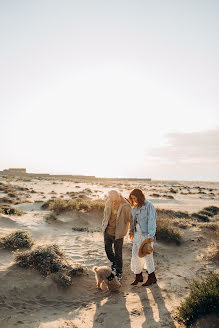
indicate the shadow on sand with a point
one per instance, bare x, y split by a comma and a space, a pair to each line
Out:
156, 314
108, 310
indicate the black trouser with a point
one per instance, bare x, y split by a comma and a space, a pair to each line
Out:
114, 256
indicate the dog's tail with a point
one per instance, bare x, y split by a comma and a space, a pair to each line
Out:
95, 269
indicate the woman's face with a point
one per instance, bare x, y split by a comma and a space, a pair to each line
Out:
134, 199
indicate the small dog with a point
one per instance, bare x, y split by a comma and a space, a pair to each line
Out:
104, 274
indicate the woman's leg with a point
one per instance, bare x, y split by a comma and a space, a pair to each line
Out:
149, 259
151, 270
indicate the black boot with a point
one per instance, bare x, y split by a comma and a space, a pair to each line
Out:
151, 279
138, 278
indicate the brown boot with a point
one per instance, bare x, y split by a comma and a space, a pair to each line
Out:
138, 278
151, 279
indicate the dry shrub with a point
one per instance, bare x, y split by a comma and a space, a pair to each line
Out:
19, 238
8, 210
181, 223
213, 253
46, 204
166, 232
212, 209
168, 196
214, 226
202, 299
62, 205
7, 200
170, 214
85, 229
200, 217
48, 260
155, 195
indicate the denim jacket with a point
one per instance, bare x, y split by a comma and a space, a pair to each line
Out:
146, 218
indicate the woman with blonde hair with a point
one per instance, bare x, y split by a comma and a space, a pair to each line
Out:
144, 220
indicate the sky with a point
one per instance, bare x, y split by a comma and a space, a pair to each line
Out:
113, 88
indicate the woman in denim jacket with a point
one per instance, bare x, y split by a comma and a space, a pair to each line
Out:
144, 218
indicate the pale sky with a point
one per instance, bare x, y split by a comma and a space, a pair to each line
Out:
110, 88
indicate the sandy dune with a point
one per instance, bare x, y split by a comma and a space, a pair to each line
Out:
29, 300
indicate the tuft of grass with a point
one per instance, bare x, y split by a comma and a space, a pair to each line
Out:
214, 256
7, 200
212, 209
200, 217
202, 299
80, 229
214, 226
206, 213
181, 223
59, 205
19, 238
85, 229
46, 204
166, 232
48, 260
8, 210
155, 195
161, 213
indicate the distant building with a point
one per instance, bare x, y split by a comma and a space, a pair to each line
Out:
14, 170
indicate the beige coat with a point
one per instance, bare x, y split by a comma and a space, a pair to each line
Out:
123, 220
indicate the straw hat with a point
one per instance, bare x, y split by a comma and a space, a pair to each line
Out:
145, 247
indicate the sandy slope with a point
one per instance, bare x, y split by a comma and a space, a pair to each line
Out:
28, 300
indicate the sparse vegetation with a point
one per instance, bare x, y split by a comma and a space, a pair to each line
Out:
8, 210
62, 205
212, 209
85, 229
48, 260
80, 229
19, 238
200, 217
214, 255
162, 213
166, 232
181, 223
203, 299
7, 200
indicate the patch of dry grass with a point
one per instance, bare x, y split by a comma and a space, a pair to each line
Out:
167, 232
170, 214
49, 260
17, 239
8, 210
181, 223
62, 205
214, 226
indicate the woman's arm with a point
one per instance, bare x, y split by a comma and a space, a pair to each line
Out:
152, 215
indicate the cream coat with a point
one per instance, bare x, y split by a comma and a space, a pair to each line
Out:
123, 220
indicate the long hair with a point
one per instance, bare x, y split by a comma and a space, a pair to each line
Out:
139, 195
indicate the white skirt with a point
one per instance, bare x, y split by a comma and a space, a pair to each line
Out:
140, 263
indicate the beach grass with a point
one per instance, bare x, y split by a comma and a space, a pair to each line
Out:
17, 239
202, 299
49, 260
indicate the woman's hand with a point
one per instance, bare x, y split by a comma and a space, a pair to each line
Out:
131, 235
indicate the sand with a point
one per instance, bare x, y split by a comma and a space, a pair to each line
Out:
29, 300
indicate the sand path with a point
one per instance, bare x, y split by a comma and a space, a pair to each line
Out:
28, 300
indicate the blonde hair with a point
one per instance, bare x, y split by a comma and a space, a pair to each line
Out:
114, 193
